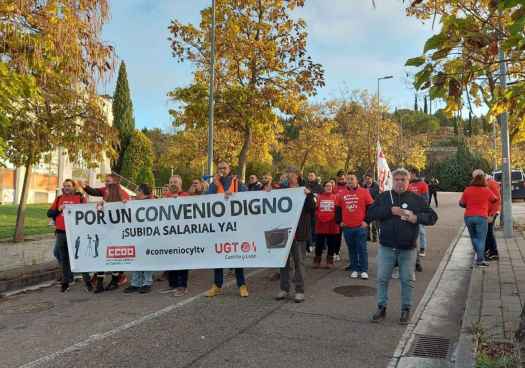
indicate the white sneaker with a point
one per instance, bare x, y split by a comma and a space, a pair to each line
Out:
299, 297
311, 249
337, 257
281, 295
354, 275
167, 290
395, 274
364, 275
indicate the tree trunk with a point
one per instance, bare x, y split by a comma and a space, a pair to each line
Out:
243, 156
303, 163
347, 160
21, 212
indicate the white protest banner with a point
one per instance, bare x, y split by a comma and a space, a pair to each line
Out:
250, 229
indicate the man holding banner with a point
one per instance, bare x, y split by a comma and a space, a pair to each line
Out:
226, 183
298, 248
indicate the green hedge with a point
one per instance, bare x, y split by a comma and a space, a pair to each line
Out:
455, 173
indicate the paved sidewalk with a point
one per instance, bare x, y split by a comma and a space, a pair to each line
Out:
497, 299
496, 295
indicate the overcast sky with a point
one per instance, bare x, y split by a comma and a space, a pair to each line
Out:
354, 42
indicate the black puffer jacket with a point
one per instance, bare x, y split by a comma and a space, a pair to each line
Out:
394, 232
304, 227
315, 187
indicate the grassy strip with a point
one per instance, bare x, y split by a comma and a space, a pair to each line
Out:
36, 222
492, 354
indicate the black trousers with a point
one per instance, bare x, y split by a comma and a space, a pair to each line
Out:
373, 231
338, 238
63, 257
435, 195
328, 240
178, 278
311, 237
491, 247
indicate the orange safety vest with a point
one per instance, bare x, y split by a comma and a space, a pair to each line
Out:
234, 185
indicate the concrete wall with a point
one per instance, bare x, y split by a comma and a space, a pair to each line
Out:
28, 253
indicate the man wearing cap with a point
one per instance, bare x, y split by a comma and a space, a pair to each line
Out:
340, 186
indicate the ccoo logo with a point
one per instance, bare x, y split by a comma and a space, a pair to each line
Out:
120, 251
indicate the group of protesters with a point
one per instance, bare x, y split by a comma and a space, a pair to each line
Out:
339, 208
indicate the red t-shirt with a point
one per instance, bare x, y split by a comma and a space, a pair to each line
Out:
174, 195
339, 188
494, 187
419, 187
325, 214
61, 200
354, 203
477, 201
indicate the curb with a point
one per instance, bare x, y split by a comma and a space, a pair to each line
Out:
408, 336
28, 276
464, 352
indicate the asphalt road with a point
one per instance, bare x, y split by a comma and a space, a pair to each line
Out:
49, 329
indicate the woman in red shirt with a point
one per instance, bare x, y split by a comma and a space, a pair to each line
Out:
326, 229
477, 199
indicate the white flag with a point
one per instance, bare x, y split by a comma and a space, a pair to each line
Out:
384, 175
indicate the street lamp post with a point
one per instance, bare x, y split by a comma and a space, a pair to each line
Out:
505, 148
401, 138
379, 101
211, 101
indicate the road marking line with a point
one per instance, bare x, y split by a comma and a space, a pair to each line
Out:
36, 287
101, 336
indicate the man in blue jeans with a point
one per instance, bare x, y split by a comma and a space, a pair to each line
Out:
351, 205
226, 183
399, 212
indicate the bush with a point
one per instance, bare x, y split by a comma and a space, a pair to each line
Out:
455, 173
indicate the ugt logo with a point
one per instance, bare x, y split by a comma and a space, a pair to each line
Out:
234, 247
120, 251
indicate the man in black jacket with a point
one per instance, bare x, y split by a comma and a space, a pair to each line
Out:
399, 212
315, 187
297, 251
373, 188
340, 186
